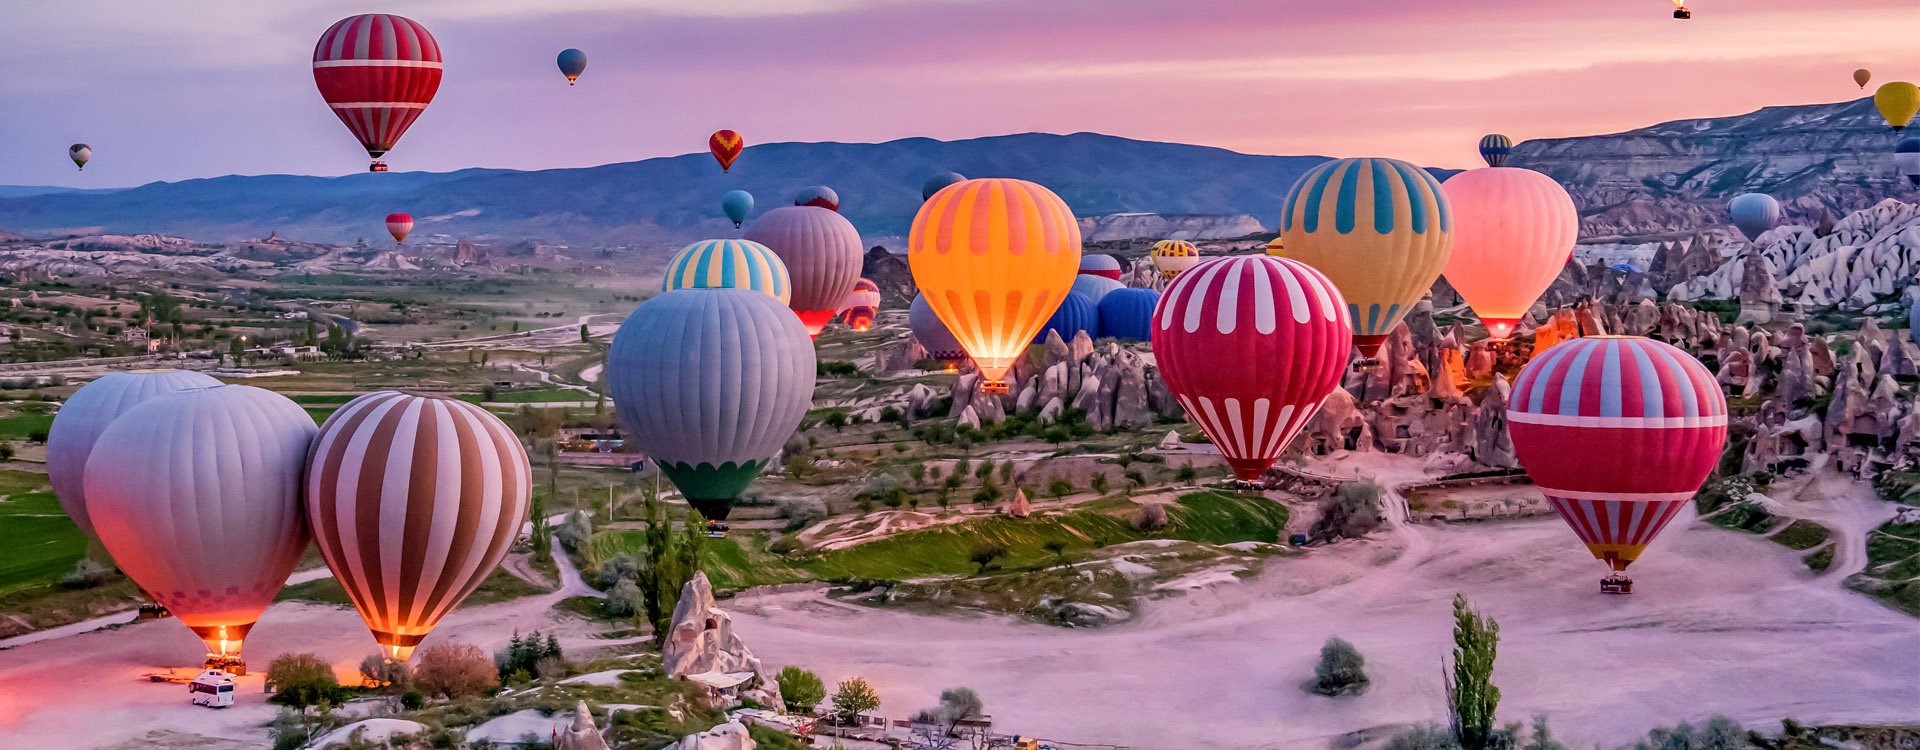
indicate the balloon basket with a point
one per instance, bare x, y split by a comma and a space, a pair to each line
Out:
994, 386
378, 166
228, 663
1365, 363
1250, 484
152, 611
1616, 584
1682, 13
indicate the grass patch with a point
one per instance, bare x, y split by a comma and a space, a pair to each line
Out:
499, 587
539, 396
42, 543
1818, 562
1802, 535
23, 426
1892, 574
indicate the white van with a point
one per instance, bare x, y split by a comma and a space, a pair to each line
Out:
213, 689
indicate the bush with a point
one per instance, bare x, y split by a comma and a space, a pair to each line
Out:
377, 671
624, 599
86, 574
575, 532
1150, 518
1341, 671
1352, 511
454, 670
1719, 733
985, 553
956, 705
802, 690
801, 513
302, 680
785, 545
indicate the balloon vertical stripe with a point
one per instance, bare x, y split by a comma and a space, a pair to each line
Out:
87, 413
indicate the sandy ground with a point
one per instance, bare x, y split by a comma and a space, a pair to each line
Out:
1722, 623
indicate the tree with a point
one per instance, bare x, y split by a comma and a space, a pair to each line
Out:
985, 553
1341, 671
1057, 548
667, 564
1542, 738
1006, 471
584, 336
962, 467
956, 705
454, 670
1135, 480
6, 451
378, 671
1471, 695
1186, 473
1098, 482
1352, 511
1059, 488
984, 470
575, 533
1150, 518
801, 689
917, 471
852, 697
300, 681
1719, 733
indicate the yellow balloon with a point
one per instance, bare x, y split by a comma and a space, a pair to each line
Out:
1898, 102
1170, 257
1380, 228
994, 258
1276, 248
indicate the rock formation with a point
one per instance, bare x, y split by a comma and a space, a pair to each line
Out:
581, 734
729, 736
701, 640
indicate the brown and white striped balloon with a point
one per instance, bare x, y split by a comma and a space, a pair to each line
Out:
414, 500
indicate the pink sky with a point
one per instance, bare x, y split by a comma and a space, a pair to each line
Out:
224, 86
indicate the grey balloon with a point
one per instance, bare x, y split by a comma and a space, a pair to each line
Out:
710, 383
932, 333
87, 413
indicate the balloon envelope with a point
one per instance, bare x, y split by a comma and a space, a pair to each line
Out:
822, 252
1076, 313
1618, 432
1862, 76
80, 153
818, 196
711, 383
1513, 231
737, 204
1127, 314
572, 63
377, 72
728, 264
413, 501
1380, 228
1906, 157
935, 183
1897, 101
1099, 264
1754, 213
196, 494
933, 334
994, 258
1250, 346
1095, 287
1495, 149
725, 145
1170, 257
87, 413
861, 304
399, 225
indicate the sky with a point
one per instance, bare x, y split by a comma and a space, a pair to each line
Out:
183, 90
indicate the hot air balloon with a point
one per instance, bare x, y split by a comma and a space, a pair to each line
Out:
729, 264
822, 253
196, 494
711, 383
933, 335
737, 204
80, 153
937, 182
726, 146
1095, 287
1513, 231
1618, 432
1754, 213
1906, 157
1097, 264
413, 501
87, 413
1862, 76
1170, 257
819, 196
1380, 228
1897, 101
378, 72
1076, 313
1127, 314
861, 304
572, 63
1680, 10
1250, 345
398, 225
1495, 149
1277, 247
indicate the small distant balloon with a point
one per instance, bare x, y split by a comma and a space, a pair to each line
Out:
1754, 213
1277, 247
1495, 148
820, 196
737, 204
398, 225
1862, 76
1680, 10
1897, 101
726, 146
936, 182
80, 153
572, 62
1170, 257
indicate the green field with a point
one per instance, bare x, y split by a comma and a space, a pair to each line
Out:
499, 587
21, 426
1209, 517
42, 544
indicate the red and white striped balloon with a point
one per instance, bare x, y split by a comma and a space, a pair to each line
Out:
1251, 345
1618, 432
378, 72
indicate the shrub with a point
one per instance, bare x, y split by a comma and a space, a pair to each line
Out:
801, 513
802, 690
1341, 671
378, 671
454, 670
302, 680
575, 532
624, 599
985, 553
956, 705
1150, 518
1719, 733
86, 574
1351, 512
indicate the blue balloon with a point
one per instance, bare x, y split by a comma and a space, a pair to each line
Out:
1495, 148
1127, 314
737, 204
573, 62
1076, 313
1754, 213
1625, 268
936, 182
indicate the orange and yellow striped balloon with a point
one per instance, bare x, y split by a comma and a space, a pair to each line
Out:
994, 257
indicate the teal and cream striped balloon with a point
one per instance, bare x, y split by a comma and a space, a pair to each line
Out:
729, 264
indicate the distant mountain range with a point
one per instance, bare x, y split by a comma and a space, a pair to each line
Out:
1665, 178
678, 198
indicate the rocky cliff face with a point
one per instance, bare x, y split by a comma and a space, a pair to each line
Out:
1130, 226
1865, 258
1678, 175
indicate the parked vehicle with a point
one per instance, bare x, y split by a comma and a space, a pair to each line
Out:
213, 689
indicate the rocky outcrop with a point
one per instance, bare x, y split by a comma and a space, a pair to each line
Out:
1130, 226
701, 640
728, 736
581, 734
1871, 255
